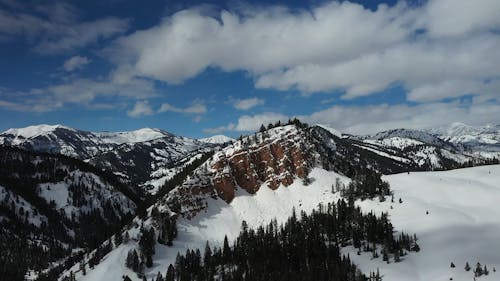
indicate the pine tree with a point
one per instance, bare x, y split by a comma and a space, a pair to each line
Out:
262, 128
226, 250
118, 238
479, 270
452, 265
170, 275
467, 266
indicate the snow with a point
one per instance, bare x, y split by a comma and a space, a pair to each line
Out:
57, 192
20, 134
8, 197
462, 224
481, 138
396, 142
141, 135
217, 139
331, 130
96, 193
221, 219
381, 153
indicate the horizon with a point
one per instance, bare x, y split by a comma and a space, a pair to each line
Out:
251, 132
204, 68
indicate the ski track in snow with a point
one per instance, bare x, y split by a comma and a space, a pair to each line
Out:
462, 224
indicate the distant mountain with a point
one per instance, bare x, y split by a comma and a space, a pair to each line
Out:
149, 164
144, 157
72, 142
480, 139
217, 139
140, 135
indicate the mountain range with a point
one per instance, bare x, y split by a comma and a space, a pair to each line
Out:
95, 186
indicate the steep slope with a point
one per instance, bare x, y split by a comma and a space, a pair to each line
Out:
52, 205
258, 178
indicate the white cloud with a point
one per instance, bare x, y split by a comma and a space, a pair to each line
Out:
367, 119
334, 46
249, 123
455, 18
375, 118
219, 130
140, 108
196, 108
76, 62
245, 104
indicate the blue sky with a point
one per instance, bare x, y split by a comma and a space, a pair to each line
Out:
201, 68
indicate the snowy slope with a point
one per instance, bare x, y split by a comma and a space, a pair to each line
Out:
221, 218
33, 131
457, 229
331, 130
141, 135
462, 224
238, 167
217, 139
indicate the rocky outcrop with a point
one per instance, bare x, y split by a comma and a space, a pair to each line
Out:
272, 158
275, 157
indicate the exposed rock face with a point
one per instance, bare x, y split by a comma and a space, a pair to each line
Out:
275, 157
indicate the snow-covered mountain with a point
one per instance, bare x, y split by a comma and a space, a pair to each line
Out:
149, 164
144, 157
217, 139
140, 135
204, 191
72, 142
480, 139
266, 175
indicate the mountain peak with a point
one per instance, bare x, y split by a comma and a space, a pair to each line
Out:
217, 139
139, 135
35, 130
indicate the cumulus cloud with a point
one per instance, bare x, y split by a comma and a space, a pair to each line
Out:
76, 62
196, 108
245, 104
369, 119
334, 46
219, 130
374, 118
141, 108
248, 123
